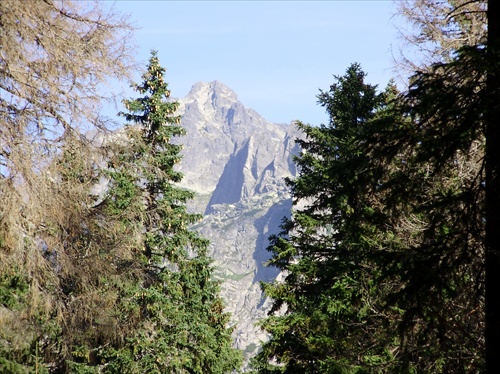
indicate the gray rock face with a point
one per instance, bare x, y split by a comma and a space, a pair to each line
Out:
221, 131
236, 161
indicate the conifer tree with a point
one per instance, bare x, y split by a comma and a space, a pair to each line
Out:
441, 270
181, 326
432, 246
385, 263
333, 320
415, 224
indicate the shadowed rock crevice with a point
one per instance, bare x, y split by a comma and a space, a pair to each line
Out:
229, 189
266, 225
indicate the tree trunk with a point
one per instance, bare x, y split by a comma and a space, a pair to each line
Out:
492, 109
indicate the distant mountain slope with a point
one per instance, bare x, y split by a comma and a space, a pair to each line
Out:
236, 161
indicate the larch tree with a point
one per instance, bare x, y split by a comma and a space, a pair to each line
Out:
55, 58
453, 100
435, 29
444, 259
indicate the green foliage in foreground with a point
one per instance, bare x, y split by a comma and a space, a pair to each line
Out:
383, 262
118, 283
330, 295
181, 326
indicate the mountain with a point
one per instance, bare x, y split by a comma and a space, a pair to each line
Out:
236, 162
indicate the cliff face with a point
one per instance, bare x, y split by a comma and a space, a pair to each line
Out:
236, 161
226, 139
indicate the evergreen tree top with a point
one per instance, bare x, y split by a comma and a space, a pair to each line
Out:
349, 101
152, 109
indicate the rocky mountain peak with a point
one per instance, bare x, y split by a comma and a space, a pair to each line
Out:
236, 161
230, 148
215, 93
212, 99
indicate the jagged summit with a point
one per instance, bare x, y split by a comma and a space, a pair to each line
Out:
204, 91
230, 141
236, 161
213, 99
216, 104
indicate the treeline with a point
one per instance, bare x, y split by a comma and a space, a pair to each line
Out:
98, 269
390, 258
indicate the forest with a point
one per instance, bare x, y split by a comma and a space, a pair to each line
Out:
390, 260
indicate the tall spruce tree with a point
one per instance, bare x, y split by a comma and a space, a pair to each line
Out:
425, 174
181, 326
332, 319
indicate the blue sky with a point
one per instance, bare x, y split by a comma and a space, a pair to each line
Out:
275, 55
